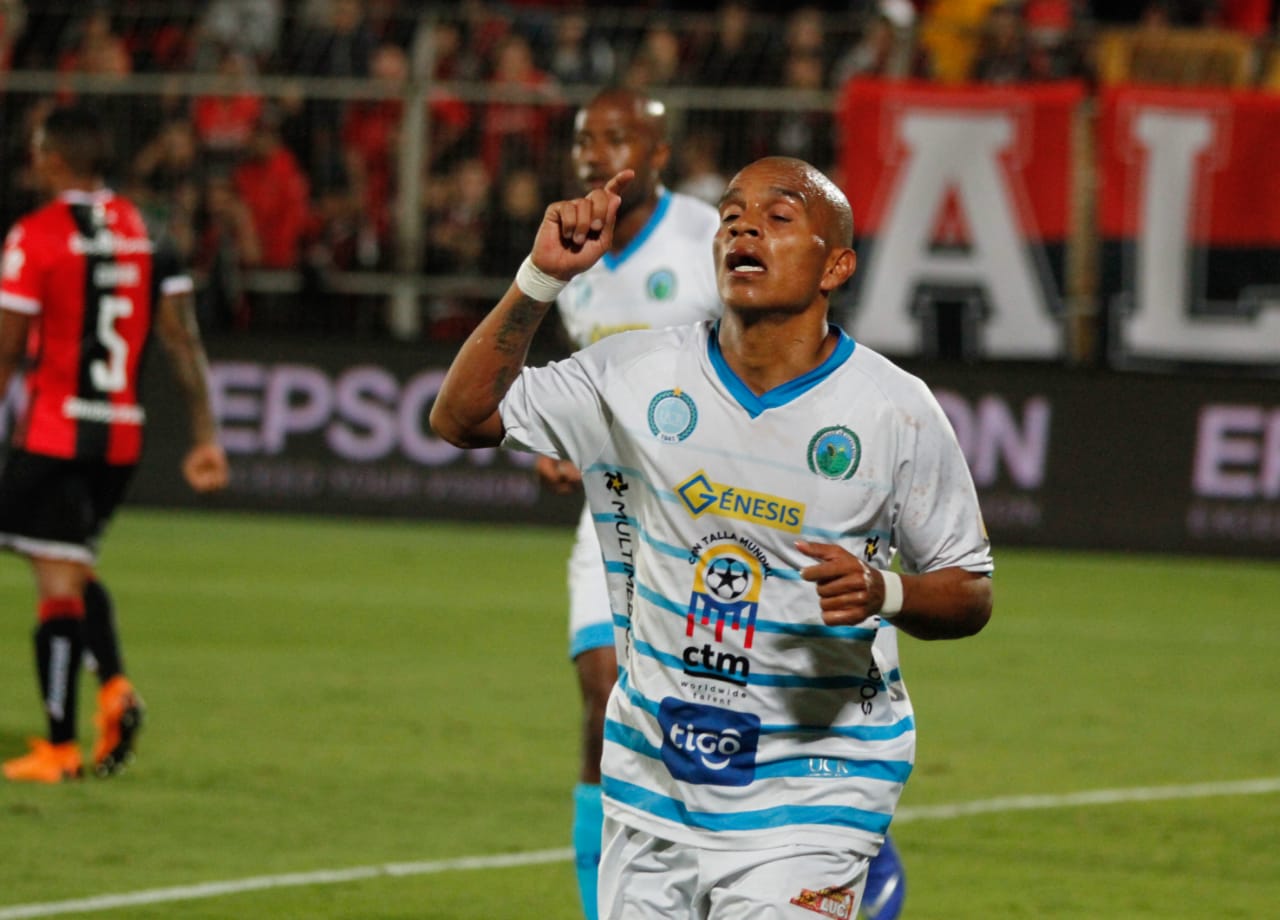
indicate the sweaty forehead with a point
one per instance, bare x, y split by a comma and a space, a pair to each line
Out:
773, 180
799, 182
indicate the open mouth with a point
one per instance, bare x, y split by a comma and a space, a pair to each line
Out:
742, 263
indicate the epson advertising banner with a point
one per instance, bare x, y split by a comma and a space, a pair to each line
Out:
1101, 460
336, 430
1061, 456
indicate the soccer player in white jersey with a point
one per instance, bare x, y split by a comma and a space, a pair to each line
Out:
751, 479
658, 272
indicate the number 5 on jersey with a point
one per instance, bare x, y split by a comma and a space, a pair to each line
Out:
109, 376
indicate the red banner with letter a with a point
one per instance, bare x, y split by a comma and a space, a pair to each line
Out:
962, 200
1189, 217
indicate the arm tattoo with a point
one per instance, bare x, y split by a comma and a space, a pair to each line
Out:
518, 326
502, 382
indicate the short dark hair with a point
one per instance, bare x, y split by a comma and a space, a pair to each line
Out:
77, 134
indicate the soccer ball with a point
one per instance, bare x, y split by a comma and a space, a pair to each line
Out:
727, 578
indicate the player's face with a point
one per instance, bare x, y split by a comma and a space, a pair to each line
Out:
776, 246
612, 135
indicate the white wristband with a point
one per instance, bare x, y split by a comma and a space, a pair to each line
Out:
892, 594
537, 284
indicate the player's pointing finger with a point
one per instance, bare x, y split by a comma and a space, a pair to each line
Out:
620, 181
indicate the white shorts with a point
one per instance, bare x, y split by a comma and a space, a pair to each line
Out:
590, 613
642, 877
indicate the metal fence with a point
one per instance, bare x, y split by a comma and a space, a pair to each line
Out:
397, 203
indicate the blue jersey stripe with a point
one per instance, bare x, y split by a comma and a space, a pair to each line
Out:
630, 739
817, 630
637, 699
658, 600
889, 771
788, 681
831, 536
786, 574
669, 809
608, 517
777, 627
858, 732
835, 536
669, 549
597, 635
680, 552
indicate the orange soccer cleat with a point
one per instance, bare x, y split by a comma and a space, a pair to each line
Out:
47, 763
119, 720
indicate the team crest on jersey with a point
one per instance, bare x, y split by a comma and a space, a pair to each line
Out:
835, 452
661, 284
672, 415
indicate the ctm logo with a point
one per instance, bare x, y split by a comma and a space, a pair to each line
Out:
707, 662
726, 595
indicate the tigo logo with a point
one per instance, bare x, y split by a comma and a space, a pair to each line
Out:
708, 746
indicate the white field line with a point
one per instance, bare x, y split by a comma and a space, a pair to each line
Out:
538, 857
1078, 799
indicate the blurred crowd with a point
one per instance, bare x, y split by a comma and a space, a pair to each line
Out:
246, 181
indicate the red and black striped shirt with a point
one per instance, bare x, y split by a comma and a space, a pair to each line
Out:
85, 268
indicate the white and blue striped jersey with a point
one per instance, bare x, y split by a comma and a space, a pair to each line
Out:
666, 276
740, 720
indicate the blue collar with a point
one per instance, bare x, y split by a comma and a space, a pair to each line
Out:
784, 393
611, 261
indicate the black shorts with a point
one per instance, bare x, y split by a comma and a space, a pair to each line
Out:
57, 509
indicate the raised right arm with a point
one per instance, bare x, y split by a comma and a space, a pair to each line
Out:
466, 409
572, 237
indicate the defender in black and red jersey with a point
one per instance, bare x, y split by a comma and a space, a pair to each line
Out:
82, 287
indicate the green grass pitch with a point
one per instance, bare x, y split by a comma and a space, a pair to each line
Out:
336, 694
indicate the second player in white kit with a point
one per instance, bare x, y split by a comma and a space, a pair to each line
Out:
665, 277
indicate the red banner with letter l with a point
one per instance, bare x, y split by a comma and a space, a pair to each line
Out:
1189, 220
962, 200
